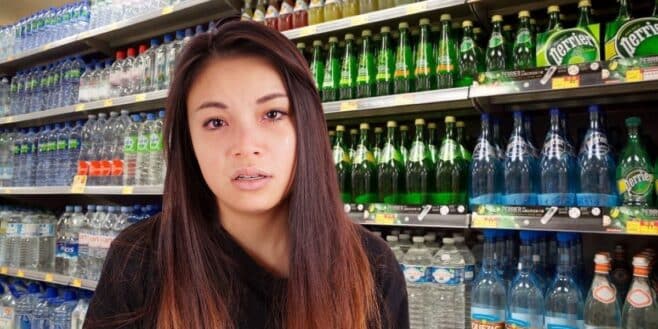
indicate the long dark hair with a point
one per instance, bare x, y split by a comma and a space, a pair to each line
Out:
330, 283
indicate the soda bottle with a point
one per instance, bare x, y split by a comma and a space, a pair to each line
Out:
353, 142
478, 37
403, 79
451, 170
485, 169
640, 309
584, 9
530, 137
414, 265
419, 169
368, 6
364, 170
377, 145
601, 306
390, 169
554, 22
300, 14
343, 164
301, 47
488, 297
564, 302
350, 8
404, 142
446, 69
365, 80
333, 10
285, 16
332, 73
272, 15
520, 168
259, 13
461, 142
470, 54
557, 186
524, 44
496, 58
317, 64
635, 171
431, 141
424, 58
316, 12
525, 300
623, 16
385, 65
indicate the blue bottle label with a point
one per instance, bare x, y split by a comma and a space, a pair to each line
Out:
60, 250
445, 275
595, 145
553, 322
469, 273
415, 273
555, 146
72, 250
517, 148
24, 322
524, 320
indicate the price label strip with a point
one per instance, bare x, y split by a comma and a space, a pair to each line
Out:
128, 190
480, 221
20, 274
309, 30
4, 270
359, 20
565, 82
49, 277
642, 227
385, 219
416, 8
167, 10
80, 107
108, 102
79, 184
76, 283
140, 97
349, 106
634, 75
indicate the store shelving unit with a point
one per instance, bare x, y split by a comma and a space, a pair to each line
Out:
49, 277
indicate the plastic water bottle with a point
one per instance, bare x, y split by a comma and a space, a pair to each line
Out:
84, 238
4, 96
72, 81
86, 85
173, 50
14, 230
149, 66
80, 311
62, 313
105, 238
486, 170
405, 242
95, 242
28, 246
489, 296
143, 154
51, 164
63, 224
564, 302
7, 308
431, 243
116, 74
156, 156
602, 308
446, 293
26, 305
469, 274
63, 155
41, 313
130, 143
47, 242
105, 87
414, 266
127, 78
520, 168
557, 171
161, 69
525, 299
392, 241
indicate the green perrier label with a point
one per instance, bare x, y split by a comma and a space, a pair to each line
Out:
635, 184
418, 152
362, 154
340, 155
569, 46
390, 153
635, 38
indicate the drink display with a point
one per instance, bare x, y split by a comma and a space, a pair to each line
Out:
635, 171
446, 54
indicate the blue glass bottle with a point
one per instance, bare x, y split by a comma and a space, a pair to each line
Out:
525, 298
520, 168
557, 167
486, 170
564, 300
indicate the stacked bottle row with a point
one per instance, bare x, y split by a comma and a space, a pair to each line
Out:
556, 175
54, 24
396, 170
41, 306
119, 150
27, 239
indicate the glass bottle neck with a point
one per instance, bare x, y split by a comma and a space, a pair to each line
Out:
339, 138
419, 133
468, 33
450, 131
623, 10
594, 123
486, 130
555, 123
446, 30
583, 19
633, 134
518, 126
460, 135
385, 41
497, 29
365, 46
390, 135
430, 135
424, 34
554, 21
363, 138
489, 259
333, 47
524, 24
404, 37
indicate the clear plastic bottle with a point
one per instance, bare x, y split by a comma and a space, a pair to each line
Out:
7, 308
640, 310
26, 305
405, 242
138, 72
85, 235
116, 74
392, 241
520, 169
149, 66
414, 266
156, 156
105, 87
63, 224
486, 169
489, 296
61, 162
95, 242
143, 157
160, 67
564, 302
127, 75
130, 144
558, 178
86, 84
469, 274
446, 276
61, 317
71, 81
80, 311
525, 299
47, 243
173, 50
41, 313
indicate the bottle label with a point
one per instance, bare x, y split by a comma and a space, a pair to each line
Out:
390, 153
553, 322
272, 12
106, 168
316, 4
130, 144
340, 155
401, 70
155, 142
446, 275
14, 230
634, 38
83, 168
328, 77
595, 144
415, 274
418, 152
605, 294
142, 143
286, 9
24, 321
300, 5
467, 45
7, 315
83, 239
95, 168
639, 298
104, 241
73, 144
61, 145
469, 273
422, 67
524, 37
30, 230
496, 40
346, 77
24, 149
517, 147
484, 150
569, 46
60, 250
485, 318
362, 154
524, 321
259, 16
448, 151
636, 183
47, 230
555, 146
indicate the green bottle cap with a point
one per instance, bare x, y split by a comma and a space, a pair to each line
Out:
379, 130
317, 43
419, 122
524, 13
385, 29
467, 23
553, 9
633, 122
391, 124
340, 128
424, 21
349, 36
461, 124
477, 30
403, 25
496, 19
584, 3
450, 119
366, 33
431, 125
404, 128
364, 125
446, 17
333, 39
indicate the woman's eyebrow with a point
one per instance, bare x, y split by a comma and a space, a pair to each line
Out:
211, 104
270, 97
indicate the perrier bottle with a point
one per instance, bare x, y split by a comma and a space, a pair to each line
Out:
377, 144
348, 72
451, 170
446, 55
554, 22
365, 79
635, 171
385, 64
424, 58
353, 142
404, 142
508, 34
403, 78
317, 64
343, 165
470, 54
461, 141
623, 16
524, 45
419, 169
390, 169
496, 58
584, 8
431, 141
331, 73
364, 170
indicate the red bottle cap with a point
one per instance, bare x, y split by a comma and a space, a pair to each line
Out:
142, 49
121, 55
131, 52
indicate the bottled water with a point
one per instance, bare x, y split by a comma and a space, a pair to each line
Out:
525, 299
62, 313
173, 50
141, 68
130, 144
564, 302
160, 67
104, 239
405, 242
27, 252
63, 224
557, 171
26, 305
469, 275
41, 313
489, 296
85, 236
4, 94
74, 151
127, 75
156, 156
640, 308
445, 305
116, 74
60, 166
431, 244
14, 230
47, 242
520, 168
105, 87
601, 306
143, 154
80, 311
98, 170
51, 156
148, 63
86, 84
95, 242
486, 171
7, 308
414, 265
392, 241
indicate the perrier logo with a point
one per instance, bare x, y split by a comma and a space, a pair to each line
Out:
636, 38
637, 182
570, 46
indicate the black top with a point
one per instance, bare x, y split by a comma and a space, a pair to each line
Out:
125, 294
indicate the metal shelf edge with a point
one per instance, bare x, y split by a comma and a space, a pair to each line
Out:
49, 277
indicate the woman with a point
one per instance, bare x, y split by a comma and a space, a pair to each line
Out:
252, 232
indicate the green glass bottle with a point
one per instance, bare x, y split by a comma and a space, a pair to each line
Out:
317, 64
446, 55
623, 16
390, 169
461, 141
431, 141
554, 22
477, 36
496, 58
419, 169
584, 9
385, 64
524, 45
301, 47
377, 145
365, 79
424, 72
331, 73
533, 29
403, 78
348, 72
354, 139
404, 142
470, 65
364, 170
343, 165
332, 137
451, 170
508, 34
635, 171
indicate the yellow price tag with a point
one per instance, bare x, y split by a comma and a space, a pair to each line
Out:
10, 58
306, 31
128, 190
634, 75
642, 227
80, 107
6, 191
385, 219
416, 8
108, 102
76, 283
140, 97
359, 20
348, 106
47, 46
79, 183
4, 270
49, 277
9, 119
167, 10
566, 82
484, 221
20, 274
403, 100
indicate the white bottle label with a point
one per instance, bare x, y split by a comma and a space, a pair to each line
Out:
7, 315
639, 298
30, 230
604, 294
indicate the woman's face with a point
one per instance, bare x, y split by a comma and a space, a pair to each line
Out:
243, 133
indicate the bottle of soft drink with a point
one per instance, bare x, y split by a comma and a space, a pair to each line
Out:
486, 170
525, 300
451, 170
520, 168
635, 170
489, 296
640, 309
564, 302
602, 306
557, 171
414, 265
447, 290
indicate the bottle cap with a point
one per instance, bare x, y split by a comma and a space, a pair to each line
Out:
340, 128
431, 125
507, 27
418, 239
379, 130
142, 49
354, 132
120, 55
424, 21
404, 128
366, 33
349, 36
429, 237
525, 235
593, 109
332, 133
584, 3
404, 236
633, 122
131, 52
553, 9
391, 238
385, 29
554, 111
459, 239
460, 124
364, 126
467, 23
403, 25
333, 39
448, 241
496, 19
445, 17
524, 13
419, 122
640, 261
391, 124
449, 119
601, 258
301, 45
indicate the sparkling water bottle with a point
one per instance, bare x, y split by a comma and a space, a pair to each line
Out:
525, 299
445, 305
564, 302
62, 313
486, 170
601, 306
640, 309
489, 296
520, 168
414, 266
558, 185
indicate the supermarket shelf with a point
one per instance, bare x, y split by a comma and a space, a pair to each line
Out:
412, 216
49, 278
153, 23
370, 19
86, 190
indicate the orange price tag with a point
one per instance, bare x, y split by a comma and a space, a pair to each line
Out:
634, 75
484, 221
80, 107
642, 227
140, 97
128, 190
20, 274
76, 283
108, 102
348, 106
79, 183
566, 82
4, 270
385, 219
49, 277
167, 10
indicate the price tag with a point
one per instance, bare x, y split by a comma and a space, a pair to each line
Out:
47, 46
108, 102
9, 119
484, 221
634, 75
4, 270
76, 283
642, 227
167, 10
359, 20
20, 274
49, 277
79, 107
6, 191
10, 58
348, 106
79, 183
566, 82
403, 100
140, 97
308, 30
416, 8
385, 219
127, 190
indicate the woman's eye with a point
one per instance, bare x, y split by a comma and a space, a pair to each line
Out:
274, 115
215, 123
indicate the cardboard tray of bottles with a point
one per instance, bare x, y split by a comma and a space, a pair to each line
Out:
449, 216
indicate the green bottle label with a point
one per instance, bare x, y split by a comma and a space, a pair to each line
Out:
634, 38
362, 75
328, 77
61, 144
636, 183
523, 37
340, 155
448, 151
51, 146
142, 143
467, 45
390, 153
130, 144
362, 154
24, 149
418, 152
401, 70
155, 142
495, 41
74, 143
568, 46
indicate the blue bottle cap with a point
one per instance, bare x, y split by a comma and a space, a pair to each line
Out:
199, 29
161, 114
51, 292
484, 117
180, 34
526, 235
563, 237
33, 288
77, 209
154, 43
136, 117
69, 295
150, 117
189, 32
490, 234
518, 114
593, 109
555, 111
168, 38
